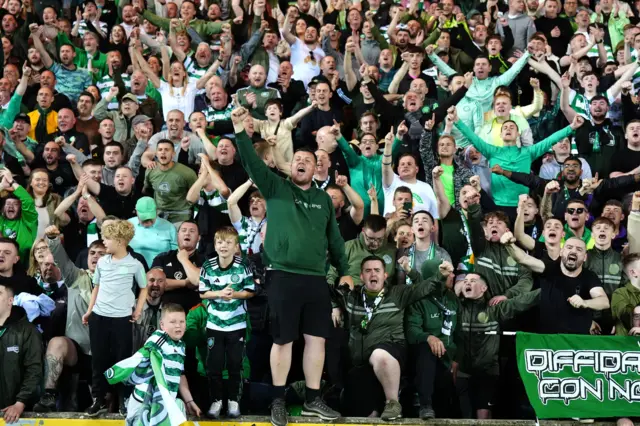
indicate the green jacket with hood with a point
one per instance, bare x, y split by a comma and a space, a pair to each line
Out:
477, 352
20, 360
607, 265
356, 250
623, 302
425, 318
504, 276
387, 322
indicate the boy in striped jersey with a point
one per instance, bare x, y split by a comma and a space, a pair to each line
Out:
163, 407
225, 281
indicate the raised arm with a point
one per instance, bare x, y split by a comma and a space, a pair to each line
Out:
387, 170
286, 29
508, 77
173, 43
545, 145
399, 76
614, 91
235, 215
357, 204
566, 109
521, 236
440, 64
538, 100
298, 116
146, 69
543, 67
36, 33
444, 206
509, 241
350, 77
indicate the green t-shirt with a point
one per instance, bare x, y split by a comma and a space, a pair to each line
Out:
169, 187
447, 182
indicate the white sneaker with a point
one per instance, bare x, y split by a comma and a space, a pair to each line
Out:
233, 409
214, 409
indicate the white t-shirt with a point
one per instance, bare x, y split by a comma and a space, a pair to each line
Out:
177, 100
304, 67
423, 196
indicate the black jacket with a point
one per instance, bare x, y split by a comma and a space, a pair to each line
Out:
20, 360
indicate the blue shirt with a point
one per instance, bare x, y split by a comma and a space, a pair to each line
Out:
71, 82
158, 238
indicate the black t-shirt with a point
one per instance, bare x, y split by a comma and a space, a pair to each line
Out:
173, 269
556, 314
625, 161
348, 229
122, 206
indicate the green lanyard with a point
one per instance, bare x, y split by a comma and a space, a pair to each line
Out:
2, 330
466, 263
596, 142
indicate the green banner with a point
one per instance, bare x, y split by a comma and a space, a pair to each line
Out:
569, 375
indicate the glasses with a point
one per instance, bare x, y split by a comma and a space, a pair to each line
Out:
579, 210
40, 249
373, 239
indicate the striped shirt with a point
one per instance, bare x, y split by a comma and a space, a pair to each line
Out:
194, 70
211, 114
226, 315
249, 234
173, 354
106, 83
82, 29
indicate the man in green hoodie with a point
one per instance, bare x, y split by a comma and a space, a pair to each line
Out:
19, 220
302, 230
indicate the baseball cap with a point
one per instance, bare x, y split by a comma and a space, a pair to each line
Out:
140, 119
23, 117
319, 79
146, 208
130, 97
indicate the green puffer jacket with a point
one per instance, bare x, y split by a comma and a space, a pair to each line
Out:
20, 360
425, 318
478, 352
607, 265
504, 276
387, 323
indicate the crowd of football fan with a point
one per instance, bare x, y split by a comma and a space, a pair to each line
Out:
431, 174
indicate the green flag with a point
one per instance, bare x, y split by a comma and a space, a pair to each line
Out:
568, 375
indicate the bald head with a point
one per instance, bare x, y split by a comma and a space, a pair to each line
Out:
326, 139
257, 76
156, 284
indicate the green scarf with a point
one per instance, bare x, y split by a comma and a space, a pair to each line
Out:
41, 125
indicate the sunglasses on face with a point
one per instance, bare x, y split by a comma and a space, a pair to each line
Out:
579, 210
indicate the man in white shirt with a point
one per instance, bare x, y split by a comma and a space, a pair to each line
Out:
423, 196
306, 54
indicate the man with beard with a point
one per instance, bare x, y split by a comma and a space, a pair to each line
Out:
122, 119
255, 97
305, 54
571, 185
19, 220
169, 182
554, 166
179, 265
71, 349
598, 140
568, 291
71, 79
89, 53
292, 92
60, 173
298, 297
68, 134
48, 80
149, 321
86, 123
370, 242
180, 138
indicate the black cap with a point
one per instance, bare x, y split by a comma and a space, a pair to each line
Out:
23, 117
319, 79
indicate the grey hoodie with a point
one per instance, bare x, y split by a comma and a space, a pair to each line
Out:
522, 27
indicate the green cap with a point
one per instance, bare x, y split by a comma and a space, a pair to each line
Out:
146, 208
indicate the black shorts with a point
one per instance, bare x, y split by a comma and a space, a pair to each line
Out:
396, 350
298, 304
83, 364
479, 389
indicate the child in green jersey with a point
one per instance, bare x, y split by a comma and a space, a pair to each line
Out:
225, 281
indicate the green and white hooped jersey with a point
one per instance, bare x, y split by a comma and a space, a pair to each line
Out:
226, 315
194, 70
106, 83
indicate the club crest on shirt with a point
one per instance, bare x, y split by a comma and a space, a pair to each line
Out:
178, 275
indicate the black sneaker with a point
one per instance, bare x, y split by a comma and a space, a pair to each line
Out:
98, 407
279, 412
426, 412
319, 408
46, 404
